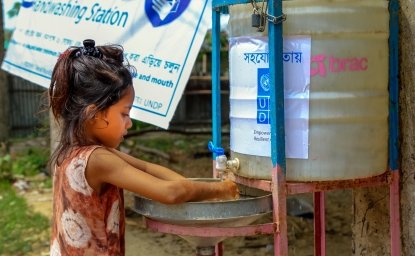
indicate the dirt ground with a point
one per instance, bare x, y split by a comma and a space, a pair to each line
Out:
197, 163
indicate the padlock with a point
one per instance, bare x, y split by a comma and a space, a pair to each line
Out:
256, 20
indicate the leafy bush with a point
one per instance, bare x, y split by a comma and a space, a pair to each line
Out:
28, 163
5, 167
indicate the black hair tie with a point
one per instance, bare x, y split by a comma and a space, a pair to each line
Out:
89, 49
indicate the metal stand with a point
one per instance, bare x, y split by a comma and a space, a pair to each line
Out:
279, 187
389, 178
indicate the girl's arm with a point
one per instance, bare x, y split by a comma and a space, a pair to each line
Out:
104, 166
150, 168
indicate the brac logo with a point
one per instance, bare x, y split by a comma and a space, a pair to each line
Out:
323, 65
162, 12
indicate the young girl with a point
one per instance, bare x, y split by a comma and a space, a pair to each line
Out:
90, 95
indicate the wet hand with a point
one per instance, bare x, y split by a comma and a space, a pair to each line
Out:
231, 190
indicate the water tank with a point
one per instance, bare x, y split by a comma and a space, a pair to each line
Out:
348, 92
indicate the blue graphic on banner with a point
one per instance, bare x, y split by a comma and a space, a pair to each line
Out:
162, 12
27, 3
263, 97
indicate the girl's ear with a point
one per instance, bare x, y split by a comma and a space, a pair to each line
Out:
91, 112
96, 117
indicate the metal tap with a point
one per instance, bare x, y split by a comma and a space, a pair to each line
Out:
223, 165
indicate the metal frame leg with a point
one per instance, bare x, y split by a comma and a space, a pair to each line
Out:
394, 210
279, 199
219, 249
319, 224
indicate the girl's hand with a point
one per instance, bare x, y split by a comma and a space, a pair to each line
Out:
230, 192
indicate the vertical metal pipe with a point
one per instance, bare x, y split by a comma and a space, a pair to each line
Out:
275, 44
216, 99
216, 106
394, 198
277, 89
393, 83
319, 224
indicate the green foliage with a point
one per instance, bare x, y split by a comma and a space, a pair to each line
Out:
162, 144
31, 162
138, 125
46, 184
20, 229
34, 161
5, 167
177, 143
207, 43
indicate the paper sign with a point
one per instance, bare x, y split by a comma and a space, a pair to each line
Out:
250, 95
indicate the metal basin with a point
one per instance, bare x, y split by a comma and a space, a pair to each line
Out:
252, 205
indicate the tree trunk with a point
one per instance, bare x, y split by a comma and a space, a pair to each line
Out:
371, 219
407, 124
370, 225
4, 89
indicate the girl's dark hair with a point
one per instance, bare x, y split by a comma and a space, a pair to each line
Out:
85, 76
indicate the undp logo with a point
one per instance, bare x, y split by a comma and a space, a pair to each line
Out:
162, 12
265, 82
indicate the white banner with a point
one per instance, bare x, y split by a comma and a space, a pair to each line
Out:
250, 95
161, 39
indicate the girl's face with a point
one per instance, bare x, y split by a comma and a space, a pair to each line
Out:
110, 126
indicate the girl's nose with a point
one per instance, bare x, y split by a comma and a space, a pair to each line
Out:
129, 123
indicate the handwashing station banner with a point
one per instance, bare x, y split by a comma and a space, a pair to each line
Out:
161, 39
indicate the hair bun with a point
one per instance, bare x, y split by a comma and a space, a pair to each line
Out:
89, 49
89, 43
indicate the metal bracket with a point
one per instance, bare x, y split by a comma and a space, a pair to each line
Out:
276, 20
260, 16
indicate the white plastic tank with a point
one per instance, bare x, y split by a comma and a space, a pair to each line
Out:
345, 124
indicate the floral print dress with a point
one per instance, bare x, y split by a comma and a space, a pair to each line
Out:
85, 223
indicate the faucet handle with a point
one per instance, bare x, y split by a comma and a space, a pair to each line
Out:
233, 164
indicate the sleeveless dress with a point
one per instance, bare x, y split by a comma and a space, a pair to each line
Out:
83, 222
